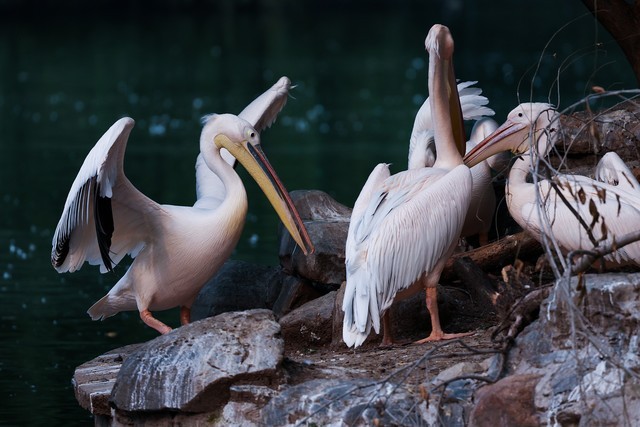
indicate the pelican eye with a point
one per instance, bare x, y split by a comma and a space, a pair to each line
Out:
520, 114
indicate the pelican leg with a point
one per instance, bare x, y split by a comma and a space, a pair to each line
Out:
387, 334
151, 321
185, 315
436, 330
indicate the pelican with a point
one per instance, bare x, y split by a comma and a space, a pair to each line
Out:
577, 212
422, 153
404, 227
613, 170
176, 249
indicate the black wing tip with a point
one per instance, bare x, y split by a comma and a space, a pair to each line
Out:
60, 252
104, 227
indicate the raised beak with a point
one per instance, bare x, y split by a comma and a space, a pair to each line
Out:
254, 160
455, 110
502, 139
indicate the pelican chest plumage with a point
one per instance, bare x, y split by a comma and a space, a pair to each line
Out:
176, 249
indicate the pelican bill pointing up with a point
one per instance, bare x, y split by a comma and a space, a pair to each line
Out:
577, 212
176, 249
422, 153
404, 227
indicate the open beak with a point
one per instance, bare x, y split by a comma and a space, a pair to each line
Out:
253, 159
502, 139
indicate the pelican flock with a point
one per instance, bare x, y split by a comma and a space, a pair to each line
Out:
405, 226
577, 212
403, 229
176, 249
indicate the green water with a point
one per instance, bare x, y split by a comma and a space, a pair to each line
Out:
66, 74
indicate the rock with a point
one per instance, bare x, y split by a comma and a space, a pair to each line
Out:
295, 292
191, 368
573, 366
338, 402
587, 135
616, 129
311, 323
94, 380
327, 222
410, 317
238, 286
508, 402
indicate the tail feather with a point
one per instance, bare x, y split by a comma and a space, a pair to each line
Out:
357, 305
101, 309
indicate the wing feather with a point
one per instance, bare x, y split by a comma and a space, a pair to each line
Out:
407, 227
104, 213
614, 171
474, 107
263, 111
605, 211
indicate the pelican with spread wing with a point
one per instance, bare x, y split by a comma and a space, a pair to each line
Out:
176, 249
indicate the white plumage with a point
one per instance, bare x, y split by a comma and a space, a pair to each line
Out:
404, 227
422, 153
176, 248
577, 212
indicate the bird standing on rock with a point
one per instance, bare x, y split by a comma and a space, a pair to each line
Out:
404, 227
176, 249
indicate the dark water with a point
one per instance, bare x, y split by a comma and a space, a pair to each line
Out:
66, 74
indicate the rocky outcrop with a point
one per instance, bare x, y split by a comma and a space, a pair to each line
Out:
577, 364
191, 369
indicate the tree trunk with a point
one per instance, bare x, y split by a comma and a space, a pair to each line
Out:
622, 20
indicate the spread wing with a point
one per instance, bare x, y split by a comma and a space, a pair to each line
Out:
104, 215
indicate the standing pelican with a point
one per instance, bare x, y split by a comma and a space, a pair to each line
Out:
422, 153
577, 212
176, 249
404, 227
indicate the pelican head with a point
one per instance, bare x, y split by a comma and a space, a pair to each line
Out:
243, 142
527, 123
439, 44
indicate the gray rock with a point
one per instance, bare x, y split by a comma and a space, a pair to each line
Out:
295, 292
93, 380
577, 364
327, 222
191, 368
335, 402
238, 286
